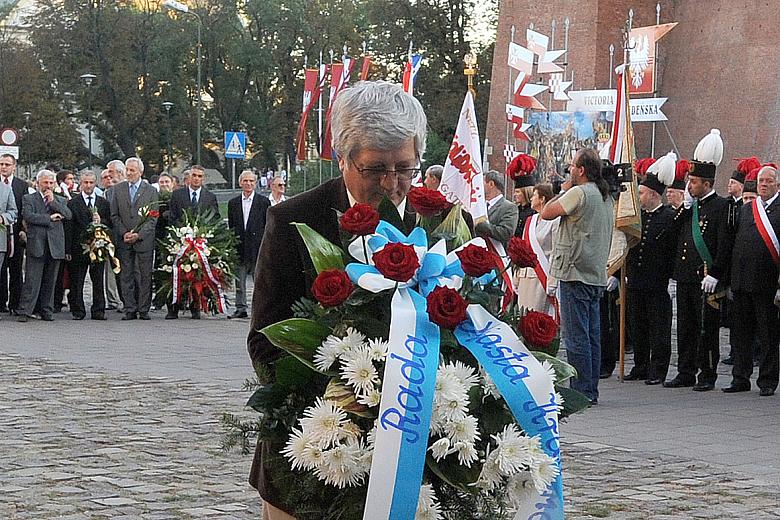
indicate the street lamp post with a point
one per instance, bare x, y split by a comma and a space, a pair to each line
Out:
87, 79
181, 8
168, 105
27, 116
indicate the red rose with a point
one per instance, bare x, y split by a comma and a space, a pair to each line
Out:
446, 307
520, 253
427, 202
538, 329
360, 219
397, 261
476, 260
332, 287
154, 213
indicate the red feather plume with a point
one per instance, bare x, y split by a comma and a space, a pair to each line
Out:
682, 169
521, 166
748, 164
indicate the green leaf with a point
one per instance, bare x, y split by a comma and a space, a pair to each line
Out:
265, 398
563, 370
455, 226
573, 401
450, 471
299, 337
324, 254
389, 213
291, 374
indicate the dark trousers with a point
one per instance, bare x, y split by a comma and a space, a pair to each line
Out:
78, 274
11, 277
609, 312
649, 316
696, 351
59, 287
756, 320
136, 279
39, 279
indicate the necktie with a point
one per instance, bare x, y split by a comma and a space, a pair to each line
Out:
133, 190
194, 198
5, 180
89, 204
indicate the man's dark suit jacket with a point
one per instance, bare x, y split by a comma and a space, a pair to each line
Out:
19, 187
41, 230
82, 218
249, 239
180, 201
752, 267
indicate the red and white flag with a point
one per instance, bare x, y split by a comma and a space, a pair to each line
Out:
311, 94
366, 68
339, 77
462, 180
621, 145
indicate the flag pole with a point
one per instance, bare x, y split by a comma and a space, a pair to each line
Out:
289, 171
509, 90
552, 46
655, 70
319, 118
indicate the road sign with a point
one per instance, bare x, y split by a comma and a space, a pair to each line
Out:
10, 150
235, 145
8, 136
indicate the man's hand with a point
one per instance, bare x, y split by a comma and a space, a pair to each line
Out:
96, 218
708, 284
612, 283
68, 258
55, 217
551, 288
22, 237
777, 298
130, 237
687, 197
48, 195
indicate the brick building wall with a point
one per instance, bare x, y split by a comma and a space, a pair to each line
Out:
720, 68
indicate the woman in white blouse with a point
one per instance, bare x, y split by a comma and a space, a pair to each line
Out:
531, 291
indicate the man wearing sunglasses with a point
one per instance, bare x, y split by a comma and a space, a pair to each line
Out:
278, 187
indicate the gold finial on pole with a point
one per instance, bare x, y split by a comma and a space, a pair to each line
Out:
470, 59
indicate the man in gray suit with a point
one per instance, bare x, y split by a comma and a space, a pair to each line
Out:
44, 215
8, 216
135, 248
502, 214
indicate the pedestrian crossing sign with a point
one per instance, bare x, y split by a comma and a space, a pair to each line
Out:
235, 145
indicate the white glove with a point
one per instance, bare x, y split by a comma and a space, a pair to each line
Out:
688, 198
709, 283
612, 283
551, 288
777, 298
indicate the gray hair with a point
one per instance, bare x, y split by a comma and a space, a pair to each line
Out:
497, 178
117, 164
379, 115
247, 173
437, 170
88, 173
138, 162
46, 173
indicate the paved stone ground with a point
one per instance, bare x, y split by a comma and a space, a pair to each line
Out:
119, 420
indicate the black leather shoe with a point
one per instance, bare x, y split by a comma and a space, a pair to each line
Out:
766, 392
605, 375
129, 316
728, 361
144, 316
635, 376
99, 317
733, 388
47, 317
22, 318
237, 315
653, 381
172, 316
677, 383
195, 315
703, 387
78, 317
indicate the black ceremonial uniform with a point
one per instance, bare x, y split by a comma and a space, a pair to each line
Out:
698, 345
649, 266
756, 320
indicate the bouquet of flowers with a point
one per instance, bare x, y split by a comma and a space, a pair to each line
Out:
146, 213
200, 257
405, 390
99, 247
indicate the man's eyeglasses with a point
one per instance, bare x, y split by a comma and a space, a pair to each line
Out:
281, 185
404, 173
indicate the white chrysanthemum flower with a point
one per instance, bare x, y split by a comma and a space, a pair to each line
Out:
515, 451
371, 398
454, 405
323, 422
427, 504
378, 349
440, 449
467, 453
549, 370
371, 437
543, 472
353, 340
326, 355
520, 488
465, 374
311, 456
447, 387
464, 430
489, 388
359, 371
438, 421
490, 476
342, 466
295, 448
559, 402
350, 432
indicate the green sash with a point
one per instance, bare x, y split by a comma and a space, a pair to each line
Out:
698, 238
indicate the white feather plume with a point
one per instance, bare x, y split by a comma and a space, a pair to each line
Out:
710, 148
664, 168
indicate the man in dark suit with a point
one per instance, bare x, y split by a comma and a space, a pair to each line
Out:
11, 272
379, 136
135, 248
754, 268
701, 266
502, 214
246, 217
87, 208
199, 200
44, 215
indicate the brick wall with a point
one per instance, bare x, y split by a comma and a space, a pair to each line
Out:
718, 67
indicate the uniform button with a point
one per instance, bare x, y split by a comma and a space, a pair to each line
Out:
639, 264
683, 257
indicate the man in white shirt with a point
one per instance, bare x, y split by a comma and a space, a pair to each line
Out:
278, 187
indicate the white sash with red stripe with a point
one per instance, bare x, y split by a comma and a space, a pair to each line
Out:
766, 230
542, 268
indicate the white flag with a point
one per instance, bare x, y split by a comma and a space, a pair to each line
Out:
462, 180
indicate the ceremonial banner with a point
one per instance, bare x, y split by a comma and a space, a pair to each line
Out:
311, 94
520, 58
339, 77
462, 180
411, 68
366, 68
641, 49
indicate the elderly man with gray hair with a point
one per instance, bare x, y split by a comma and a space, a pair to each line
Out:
44, 214
502, 214
379, 136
